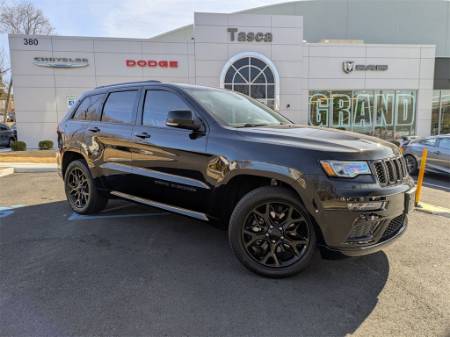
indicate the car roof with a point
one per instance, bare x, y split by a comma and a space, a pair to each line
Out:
117, 86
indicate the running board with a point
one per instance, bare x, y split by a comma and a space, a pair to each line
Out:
170, 208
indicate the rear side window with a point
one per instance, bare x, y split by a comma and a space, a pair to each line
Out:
444, 143
80, 113
428, 142
157, 105
89, 109
94, 109
119, 107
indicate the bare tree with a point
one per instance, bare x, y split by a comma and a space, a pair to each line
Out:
20, 18
23, 18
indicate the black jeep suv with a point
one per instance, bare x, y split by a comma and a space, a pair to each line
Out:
281, 189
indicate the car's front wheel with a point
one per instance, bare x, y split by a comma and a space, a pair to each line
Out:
411, 164
81, 192
271, 233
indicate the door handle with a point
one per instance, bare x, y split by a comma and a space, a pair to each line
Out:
94, 129
142, 135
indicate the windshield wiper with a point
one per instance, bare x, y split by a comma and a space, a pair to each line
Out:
253, 125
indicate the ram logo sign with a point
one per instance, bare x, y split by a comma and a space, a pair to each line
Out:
349, 66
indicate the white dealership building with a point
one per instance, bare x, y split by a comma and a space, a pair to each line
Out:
357, 65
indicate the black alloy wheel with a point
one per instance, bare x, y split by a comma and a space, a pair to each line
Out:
78, 188
271, 233
81, 192
275, 234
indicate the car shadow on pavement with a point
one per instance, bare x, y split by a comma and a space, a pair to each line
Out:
162, 274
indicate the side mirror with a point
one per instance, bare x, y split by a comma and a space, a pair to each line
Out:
182, 119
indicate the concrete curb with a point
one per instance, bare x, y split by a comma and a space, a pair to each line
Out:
6, 171
29, 167
431, 209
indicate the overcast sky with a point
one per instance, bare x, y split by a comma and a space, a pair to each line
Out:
131, 18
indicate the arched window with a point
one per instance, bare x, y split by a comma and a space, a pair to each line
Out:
251, 76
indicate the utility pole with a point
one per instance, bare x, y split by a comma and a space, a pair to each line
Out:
5, 112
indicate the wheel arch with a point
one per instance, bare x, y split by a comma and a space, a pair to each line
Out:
68, 157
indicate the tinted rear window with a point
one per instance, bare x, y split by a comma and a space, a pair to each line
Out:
89, 109
120, 106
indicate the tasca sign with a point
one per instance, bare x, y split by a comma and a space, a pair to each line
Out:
235, 34
61, 62
349, 66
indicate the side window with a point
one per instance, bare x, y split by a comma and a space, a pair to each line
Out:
428, 142
80, 114
93, 111
119, 107
157, 105
444, 143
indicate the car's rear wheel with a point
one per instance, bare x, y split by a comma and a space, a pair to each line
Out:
411, 164
81, 192
271, 233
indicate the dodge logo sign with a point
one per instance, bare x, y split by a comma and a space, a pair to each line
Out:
60, 62
349, 66
152, 63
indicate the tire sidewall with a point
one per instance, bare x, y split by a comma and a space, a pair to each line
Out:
414, 170
237, 221
78, 164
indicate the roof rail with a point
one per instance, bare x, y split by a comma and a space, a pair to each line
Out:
125, 83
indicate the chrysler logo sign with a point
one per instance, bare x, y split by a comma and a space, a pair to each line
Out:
349, 66
61, 62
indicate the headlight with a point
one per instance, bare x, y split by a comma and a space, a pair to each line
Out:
346, 169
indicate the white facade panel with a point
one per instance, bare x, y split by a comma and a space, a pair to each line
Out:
117, 46
337, 51
35, 99
73, 44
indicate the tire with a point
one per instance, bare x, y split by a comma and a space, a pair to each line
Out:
82, 194
411, 164
270, 251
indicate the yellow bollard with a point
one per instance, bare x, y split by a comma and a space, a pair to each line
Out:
423, 162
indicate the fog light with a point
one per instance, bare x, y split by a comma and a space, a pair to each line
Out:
365, 206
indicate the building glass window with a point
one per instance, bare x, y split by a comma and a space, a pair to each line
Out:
386, 114
440, 117
253, 77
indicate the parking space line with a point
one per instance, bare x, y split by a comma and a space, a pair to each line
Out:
79, 217
436, 185
7, 211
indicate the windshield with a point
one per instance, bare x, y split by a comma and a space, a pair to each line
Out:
236, 110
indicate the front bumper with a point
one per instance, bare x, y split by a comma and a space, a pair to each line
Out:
355, 233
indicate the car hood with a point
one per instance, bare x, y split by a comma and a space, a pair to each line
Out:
324, 139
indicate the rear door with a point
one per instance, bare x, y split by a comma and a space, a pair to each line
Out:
109, 144
170, 163
432, 147
444, 154
3, 135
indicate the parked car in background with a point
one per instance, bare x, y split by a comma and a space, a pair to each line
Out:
438, 159
7, 135
405, 140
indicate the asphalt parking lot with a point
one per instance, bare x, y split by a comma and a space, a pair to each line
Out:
135, 271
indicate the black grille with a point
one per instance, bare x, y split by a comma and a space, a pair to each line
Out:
390, 171
393, 228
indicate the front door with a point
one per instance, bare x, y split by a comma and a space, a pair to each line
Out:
170, 163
